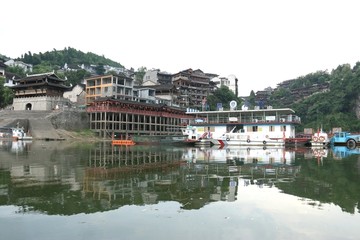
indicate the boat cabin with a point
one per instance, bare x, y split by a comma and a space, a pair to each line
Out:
260, 124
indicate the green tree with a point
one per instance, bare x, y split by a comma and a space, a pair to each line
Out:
19, 71
43, 68
76, 77
139, 75
252, 99
6, 94
224, 96
100, 70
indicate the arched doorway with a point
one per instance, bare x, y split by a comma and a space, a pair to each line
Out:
28, 106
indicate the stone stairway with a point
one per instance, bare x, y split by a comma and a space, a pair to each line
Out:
39, 124
43, 129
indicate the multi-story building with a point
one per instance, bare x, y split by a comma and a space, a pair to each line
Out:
115, 86
231, 82
39, 92
144, 94
193, 87
156, 77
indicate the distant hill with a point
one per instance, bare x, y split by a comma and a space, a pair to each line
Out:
77, 64
68, 55
323, 99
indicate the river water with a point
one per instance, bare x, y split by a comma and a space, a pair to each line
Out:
76, 190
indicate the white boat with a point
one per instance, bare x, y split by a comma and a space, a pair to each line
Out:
258, 127
320, 139
20, 134
248, 139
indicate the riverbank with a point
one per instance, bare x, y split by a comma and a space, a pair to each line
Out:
51, 125
84, 135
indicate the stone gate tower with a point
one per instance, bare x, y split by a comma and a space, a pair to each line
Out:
39, 92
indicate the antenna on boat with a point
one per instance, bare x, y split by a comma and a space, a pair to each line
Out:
233, 105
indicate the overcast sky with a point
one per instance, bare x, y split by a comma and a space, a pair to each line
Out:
261, 42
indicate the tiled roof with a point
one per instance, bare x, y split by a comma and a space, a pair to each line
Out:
41, 76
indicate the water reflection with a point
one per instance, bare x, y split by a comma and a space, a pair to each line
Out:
65, 178
340, 152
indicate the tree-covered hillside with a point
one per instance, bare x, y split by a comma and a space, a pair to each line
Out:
335, 105
68, 55
56, 59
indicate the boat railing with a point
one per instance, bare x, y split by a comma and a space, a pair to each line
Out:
245, 120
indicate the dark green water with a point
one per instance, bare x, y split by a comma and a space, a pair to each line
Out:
74, 190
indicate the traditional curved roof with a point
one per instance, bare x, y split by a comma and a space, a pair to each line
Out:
40, 80
41, 76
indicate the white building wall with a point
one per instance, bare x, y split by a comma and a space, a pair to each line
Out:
44, 103
73, 94
229, 82
25, 66
151, 76
232, 83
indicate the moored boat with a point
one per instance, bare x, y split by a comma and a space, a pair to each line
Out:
320, 139
258, 127
123, 142
14, 133
299, 140
20, 134
246, 139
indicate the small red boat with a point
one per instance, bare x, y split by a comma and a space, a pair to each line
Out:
300, 139
123, 142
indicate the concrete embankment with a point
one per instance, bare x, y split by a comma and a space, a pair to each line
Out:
46, 125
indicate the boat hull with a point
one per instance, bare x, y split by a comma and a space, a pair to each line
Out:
236, 142
159, 139
123, 142
297, 142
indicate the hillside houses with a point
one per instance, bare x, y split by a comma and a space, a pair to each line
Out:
185, 88
299, 93
15, 63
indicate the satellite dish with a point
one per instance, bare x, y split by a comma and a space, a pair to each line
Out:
233, 105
